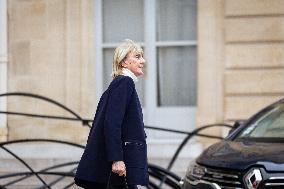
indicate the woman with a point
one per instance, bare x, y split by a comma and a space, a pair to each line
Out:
116, 150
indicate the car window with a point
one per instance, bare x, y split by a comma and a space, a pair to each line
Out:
270, 124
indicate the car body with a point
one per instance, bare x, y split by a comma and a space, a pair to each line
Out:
250, 157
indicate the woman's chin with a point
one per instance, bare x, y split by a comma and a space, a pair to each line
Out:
140, 74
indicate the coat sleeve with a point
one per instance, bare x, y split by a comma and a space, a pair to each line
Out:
118, 100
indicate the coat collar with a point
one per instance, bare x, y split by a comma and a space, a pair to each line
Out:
127, 72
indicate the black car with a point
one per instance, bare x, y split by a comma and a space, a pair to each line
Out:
251, 156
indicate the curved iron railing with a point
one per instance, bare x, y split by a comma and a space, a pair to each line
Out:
37, 173
165, 175
43, 98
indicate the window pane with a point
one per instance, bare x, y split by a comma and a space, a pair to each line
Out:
177, 76
269, 124
107, 67
176, 20
123, 19
140, 87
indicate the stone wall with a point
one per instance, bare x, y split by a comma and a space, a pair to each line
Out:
3, 68
210, 66
240, 62
241, 59
51, 54
254, 56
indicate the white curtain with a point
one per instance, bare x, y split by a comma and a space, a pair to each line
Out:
123, 19
177, 78
176, 20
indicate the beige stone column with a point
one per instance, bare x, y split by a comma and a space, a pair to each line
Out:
3, 68
210, 64
79, 67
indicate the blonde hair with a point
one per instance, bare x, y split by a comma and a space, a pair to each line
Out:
121, 52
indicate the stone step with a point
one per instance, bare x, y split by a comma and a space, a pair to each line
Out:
167, 148
13, 165
160, 152
34, 182
179, 167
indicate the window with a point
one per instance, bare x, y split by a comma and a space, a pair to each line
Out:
269, 124
167, 31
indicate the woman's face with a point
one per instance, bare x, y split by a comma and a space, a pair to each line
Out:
135, 63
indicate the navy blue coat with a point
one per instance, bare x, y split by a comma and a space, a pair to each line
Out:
117, 134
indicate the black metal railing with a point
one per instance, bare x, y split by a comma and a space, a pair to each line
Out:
164, 175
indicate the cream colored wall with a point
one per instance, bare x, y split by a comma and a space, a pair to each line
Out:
254, 61
241, 58
3, 68
240, 62
210, 65
51, 54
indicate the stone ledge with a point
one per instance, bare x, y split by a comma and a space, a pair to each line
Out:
42, 150
167, 148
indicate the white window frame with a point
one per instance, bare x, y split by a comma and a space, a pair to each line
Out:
153, 114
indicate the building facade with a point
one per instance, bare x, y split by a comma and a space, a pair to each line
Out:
221, 60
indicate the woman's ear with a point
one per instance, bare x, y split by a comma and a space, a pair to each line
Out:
124, 64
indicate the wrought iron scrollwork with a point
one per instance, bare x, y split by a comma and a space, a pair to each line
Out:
164, 175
